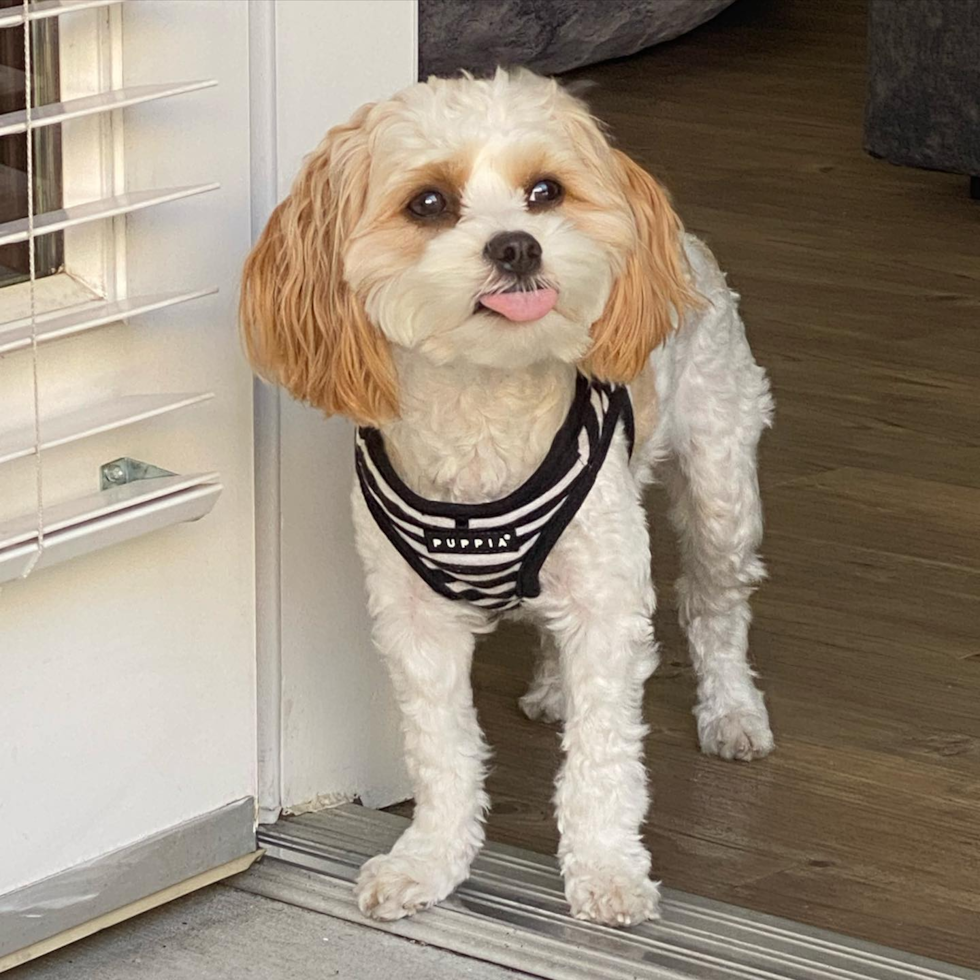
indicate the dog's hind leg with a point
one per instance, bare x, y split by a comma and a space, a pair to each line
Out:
545, 700
718, 515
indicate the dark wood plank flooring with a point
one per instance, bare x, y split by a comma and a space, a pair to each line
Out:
861, 291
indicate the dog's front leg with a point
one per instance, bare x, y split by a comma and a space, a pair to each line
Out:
601, 796
427, 643
428, 651
599, 607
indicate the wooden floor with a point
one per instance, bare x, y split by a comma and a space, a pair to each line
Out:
861, 292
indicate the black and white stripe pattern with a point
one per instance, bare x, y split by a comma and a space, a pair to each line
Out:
490, 554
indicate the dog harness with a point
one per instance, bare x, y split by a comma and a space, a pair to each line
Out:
490, 554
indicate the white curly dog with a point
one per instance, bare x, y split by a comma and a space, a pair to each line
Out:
451, 267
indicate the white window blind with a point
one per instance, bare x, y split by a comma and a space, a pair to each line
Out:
42, 9
88, 294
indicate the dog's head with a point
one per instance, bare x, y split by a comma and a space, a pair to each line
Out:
486, 221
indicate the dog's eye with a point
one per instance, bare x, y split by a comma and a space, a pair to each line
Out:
544, 193
428, 204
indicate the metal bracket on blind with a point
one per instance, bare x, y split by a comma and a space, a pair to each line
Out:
125, 470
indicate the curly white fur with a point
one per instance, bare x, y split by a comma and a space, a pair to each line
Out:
479, 401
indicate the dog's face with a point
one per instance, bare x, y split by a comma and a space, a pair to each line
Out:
485, 221
491, 231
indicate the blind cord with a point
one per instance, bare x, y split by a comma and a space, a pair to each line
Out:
32, 272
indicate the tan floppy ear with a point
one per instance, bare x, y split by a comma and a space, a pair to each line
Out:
637, 317
302, 324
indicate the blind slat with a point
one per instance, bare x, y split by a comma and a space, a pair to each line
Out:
84, 537
92, 420
16, 335
21, 529
51, 221
90, 105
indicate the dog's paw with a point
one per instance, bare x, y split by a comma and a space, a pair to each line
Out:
742, 734
612, 896
392, 886
544, 702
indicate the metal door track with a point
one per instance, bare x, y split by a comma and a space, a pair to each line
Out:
512, 912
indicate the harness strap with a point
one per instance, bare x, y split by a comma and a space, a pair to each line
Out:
491, 554
620, 407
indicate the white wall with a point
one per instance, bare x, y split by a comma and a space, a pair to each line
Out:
127, 677
339, 725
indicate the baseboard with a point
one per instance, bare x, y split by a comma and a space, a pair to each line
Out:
182, 888
40, 916
512, 912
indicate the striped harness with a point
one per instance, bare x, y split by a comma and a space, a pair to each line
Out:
491, 554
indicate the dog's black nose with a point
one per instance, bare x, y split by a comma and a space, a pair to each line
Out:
515, 252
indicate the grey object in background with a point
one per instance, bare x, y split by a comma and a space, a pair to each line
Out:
548, 35
923, 107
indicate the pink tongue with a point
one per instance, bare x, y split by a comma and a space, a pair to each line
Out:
521, 307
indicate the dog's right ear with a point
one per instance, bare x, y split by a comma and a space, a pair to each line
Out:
302, 324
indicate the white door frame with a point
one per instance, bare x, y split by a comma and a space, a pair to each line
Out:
328, 728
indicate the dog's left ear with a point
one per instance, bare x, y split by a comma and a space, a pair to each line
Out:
637, 317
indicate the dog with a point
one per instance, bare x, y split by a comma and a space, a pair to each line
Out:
513, 315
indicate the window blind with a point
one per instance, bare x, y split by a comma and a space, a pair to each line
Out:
138, 499
42, 9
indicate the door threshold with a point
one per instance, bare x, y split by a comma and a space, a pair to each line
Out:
512, 912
